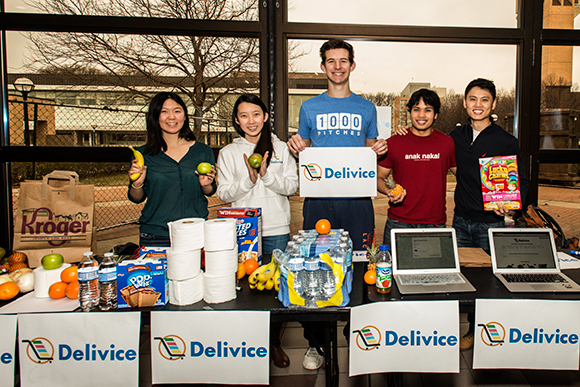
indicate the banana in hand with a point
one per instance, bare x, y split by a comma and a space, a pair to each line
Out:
140, 162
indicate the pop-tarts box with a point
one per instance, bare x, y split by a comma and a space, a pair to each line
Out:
249, 230
142, 283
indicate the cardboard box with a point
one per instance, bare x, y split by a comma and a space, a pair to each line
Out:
142, 283
249, 230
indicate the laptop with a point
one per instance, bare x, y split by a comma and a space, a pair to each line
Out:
426, 261
526, 260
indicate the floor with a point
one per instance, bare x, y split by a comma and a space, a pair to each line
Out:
562, 203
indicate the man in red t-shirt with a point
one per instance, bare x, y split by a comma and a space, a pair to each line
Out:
419, 161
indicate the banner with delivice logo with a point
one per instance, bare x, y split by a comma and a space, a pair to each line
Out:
221, 347
7, 347
338, 172
527, 334
79, 349
406, 336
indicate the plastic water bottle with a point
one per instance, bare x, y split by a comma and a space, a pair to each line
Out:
327, 279
346, 240
295, 265
108, 283
311, 280
384, 275
88, 274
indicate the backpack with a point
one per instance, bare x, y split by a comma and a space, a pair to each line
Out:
536, 217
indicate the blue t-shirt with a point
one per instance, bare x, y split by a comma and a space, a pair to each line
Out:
338, 122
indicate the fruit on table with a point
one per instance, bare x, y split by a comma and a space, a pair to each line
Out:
251, 265
52, 261
72, 290
370, 277
2, 252
8, 290
140, 162
5, 278
395, 188
57, 290
322, 226
70, 274
17, 266
203, 168
17, 257
241, 271
18, 272
255, 160
265, 277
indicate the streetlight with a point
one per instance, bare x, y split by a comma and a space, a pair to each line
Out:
25, 86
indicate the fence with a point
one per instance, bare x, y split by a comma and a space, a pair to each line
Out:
50, 124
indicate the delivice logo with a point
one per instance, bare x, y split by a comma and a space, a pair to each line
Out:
369, 338
41, 351
494, 334
173, 347
314, 172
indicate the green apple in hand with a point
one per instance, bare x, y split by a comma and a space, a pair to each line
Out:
203, 168
255, 160
52, 261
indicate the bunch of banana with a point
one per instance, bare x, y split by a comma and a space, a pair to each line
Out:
265, 277
140, 162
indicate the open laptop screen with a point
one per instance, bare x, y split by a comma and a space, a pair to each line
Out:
425, 250
523, 250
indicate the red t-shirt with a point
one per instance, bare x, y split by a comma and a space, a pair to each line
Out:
420, 165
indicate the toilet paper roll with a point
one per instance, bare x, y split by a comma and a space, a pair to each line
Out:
186, 292
220, 234
221, 262
44, 278
186, 234
182, 265
217, 289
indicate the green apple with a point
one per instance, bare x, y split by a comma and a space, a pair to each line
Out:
52, 261
203, 168
255, 160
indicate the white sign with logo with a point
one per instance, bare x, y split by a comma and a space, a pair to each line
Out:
73, 349
406, 336
384, 117
338, 172
7, 347
527, 334
225, 347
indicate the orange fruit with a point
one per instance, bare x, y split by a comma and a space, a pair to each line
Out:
57, 290
8, 290
251, 265
17, 258
72, 290
370, 277
241, 271
323, 226
69, 274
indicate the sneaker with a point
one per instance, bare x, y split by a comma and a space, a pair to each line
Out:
466, 341
312, 360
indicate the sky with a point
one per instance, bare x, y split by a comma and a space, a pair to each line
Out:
389, 66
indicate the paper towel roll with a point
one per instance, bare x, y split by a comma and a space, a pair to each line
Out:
220, 234
44, 278
186, 234
186, 292
218, 289
221, 262
182, 265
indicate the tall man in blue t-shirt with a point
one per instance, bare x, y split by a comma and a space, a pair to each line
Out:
337, 118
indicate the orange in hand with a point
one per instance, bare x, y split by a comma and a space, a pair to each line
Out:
370, 277
8, 290
251, 265
72, 290
69, 274
323, 226
57, 290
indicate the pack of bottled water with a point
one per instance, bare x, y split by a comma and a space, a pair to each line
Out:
316, 269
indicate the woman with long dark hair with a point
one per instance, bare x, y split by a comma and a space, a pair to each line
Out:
169, 179
267, 187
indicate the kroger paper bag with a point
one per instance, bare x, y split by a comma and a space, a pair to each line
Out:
55, 215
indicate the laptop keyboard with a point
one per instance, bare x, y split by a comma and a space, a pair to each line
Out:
422, 279
545, 278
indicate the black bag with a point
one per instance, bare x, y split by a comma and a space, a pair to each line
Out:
536, 217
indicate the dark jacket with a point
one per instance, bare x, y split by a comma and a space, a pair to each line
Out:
492, 141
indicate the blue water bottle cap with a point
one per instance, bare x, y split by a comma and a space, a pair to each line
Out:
384, 247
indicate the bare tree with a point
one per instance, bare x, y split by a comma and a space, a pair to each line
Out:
197, 66
380, 98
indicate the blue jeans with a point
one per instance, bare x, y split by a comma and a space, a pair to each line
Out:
270, 243
473, 234
151, 240
392, 223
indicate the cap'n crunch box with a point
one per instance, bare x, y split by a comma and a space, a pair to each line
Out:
142, 283
249, 229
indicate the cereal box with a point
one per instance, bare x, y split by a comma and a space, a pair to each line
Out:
142, 283
249, 229
499, 182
